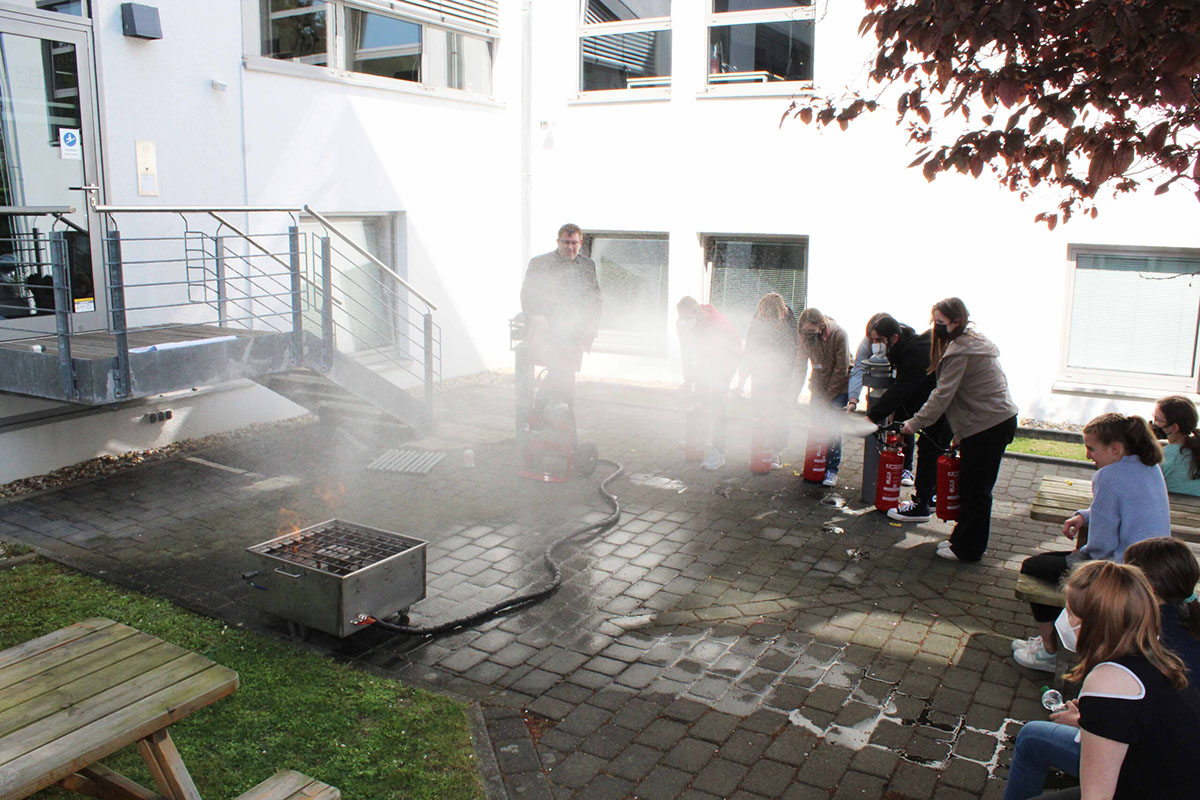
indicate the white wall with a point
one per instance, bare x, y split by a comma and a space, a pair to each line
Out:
881, 237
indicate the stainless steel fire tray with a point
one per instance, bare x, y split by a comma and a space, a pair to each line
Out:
332, 575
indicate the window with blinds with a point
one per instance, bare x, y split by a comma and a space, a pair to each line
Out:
743, 269
625, 44
1136, 313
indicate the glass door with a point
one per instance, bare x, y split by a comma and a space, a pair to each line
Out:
47, 150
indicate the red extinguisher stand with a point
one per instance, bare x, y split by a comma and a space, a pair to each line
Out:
948, 472
814, 457
760, 452
891, 466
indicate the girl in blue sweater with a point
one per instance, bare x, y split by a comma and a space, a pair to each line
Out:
1129, 504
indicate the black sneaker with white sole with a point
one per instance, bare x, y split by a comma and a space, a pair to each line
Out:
908, 511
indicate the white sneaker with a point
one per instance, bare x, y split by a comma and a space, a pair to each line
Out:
947, 553
776, 462
830, 478
1027, 644
906, 478
715, 459
1037, 658
944, 544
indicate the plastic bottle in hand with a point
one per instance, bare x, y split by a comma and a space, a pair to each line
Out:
1052, 699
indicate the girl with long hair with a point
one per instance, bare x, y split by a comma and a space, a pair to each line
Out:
1138, 713
1173, 573
1175, 420
767, 360
1129, 504
972, 392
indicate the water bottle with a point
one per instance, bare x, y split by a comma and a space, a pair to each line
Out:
1052, 699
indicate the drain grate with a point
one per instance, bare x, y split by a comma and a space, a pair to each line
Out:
416, 462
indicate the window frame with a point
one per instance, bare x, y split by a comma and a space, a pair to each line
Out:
708, 238
1087, 380
756, 16
647, 25
340, 57
612, 343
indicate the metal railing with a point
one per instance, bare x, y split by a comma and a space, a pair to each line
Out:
322, 285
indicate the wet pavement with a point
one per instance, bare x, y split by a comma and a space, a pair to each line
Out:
734, 636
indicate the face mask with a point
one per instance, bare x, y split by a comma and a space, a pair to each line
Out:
1158, 432
939, 330
1067, 635
878, 349
811, 337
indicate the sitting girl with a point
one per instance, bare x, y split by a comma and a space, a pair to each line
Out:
1129, 503
1173, 574
1175, 420
1137, 712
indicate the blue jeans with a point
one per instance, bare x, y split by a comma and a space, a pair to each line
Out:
833, 459
1041, 746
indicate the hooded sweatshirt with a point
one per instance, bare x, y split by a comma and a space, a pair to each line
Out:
971, 388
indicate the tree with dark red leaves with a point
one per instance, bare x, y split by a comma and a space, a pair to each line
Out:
1076, 94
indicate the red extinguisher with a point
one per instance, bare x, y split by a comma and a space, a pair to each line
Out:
814, 458
760, 453
947, 485
891, 467
696, 433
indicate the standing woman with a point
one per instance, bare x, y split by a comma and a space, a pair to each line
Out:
823, 343
768, 360
972, 392
1138, 715
1175, 420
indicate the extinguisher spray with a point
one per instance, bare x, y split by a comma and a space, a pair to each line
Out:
814, 457
947, 485
891, 467
696, 433
760, 452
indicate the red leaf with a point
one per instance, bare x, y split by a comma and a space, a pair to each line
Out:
1010, 92
1162, 189
1157, 136
923, 113
806, 115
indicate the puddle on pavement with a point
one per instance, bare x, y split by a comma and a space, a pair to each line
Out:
657, 482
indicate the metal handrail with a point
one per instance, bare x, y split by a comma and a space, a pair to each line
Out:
194, 209
35, 211
362, 252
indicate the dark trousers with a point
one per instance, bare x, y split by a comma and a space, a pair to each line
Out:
931, 442
980, 456
1050, 567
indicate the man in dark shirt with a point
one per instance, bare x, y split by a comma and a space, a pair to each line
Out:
561, 300
908, 352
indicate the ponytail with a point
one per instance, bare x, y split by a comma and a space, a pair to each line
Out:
1140, 441
1133, 432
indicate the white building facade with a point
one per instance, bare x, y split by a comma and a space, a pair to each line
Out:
451, 138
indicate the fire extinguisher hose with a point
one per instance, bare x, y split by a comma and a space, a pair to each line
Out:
537, 595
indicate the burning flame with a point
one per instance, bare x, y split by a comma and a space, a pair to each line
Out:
331, 495
289, 521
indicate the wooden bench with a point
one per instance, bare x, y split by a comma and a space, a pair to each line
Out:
1058, 499
287, 784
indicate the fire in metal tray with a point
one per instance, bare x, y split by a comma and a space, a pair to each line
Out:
336, 548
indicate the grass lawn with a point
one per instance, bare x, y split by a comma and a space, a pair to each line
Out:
374, 738
1047, 447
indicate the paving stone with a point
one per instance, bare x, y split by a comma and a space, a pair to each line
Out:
578, 769
690, 755
607, 787
745, 747
662, 734
663, 782
768, 778
825, 766
635, 762
721, 777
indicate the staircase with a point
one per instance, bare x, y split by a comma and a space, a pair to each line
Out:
315, 318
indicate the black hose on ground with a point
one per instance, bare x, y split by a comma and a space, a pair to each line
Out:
535, 596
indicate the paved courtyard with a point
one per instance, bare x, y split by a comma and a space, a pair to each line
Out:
734, 636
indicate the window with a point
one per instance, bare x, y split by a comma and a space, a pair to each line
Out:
76, 8
436, 43
625, 44
744, 268
632, 270
1133, 318
760, 41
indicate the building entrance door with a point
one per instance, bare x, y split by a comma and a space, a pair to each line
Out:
48, 151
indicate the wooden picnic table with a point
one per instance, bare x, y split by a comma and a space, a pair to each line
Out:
79, 694
1059, 498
